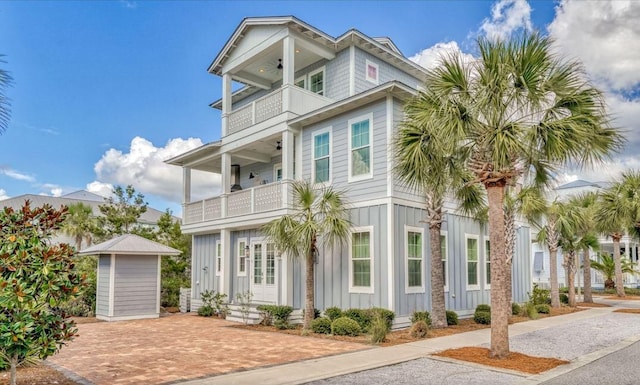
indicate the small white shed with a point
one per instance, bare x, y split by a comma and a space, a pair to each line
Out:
128, 284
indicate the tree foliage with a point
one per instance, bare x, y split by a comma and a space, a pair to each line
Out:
37, 277
120, 213
80, 224
5, 107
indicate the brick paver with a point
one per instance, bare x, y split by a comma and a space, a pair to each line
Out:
181, 347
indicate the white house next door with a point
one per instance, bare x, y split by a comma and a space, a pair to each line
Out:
263, 272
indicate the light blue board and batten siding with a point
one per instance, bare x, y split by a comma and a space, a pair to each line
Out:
102, 295
203, 254
136, 285
332, 269
375, 187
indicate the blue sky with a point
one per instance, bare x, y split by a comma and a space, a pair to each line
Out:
104, 91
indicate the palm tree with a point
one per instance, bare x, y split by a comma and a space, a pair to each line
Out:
517, 108
607, 266
420, 164
587, 202
317, 215
617, 213
79, 224
5, 111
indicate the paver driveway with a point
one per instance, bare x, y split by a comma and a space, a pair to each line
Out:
181, 347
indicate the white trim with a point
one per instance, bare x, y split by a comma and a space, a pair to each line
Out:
466, 262
391, 226
362, 289
369, 175
445, 258
241, 254
390, 116
413, 289
352, 70
375, 80
127, 317
327, 130
217, 258
324, 80
487, 285
159, 284
301, 78
276, 167
112, 284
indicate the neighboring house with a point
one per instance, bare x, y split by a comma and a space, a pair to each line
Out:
149, 218
324, 109
629, 247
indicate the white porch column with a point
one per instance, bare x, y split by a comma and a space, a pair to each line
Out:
186, 185
225, 274
297, 172
226, 103
288, 145
288, 70
226, 181
286, 280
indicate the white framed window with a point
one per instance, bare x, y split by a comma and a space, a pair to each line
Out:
277, 172
471, 249
218, 258
361, 260
242, 257
444, 252
371, 72
301, 81
316, 81
414, 259
360, 148
321, 169
487, 264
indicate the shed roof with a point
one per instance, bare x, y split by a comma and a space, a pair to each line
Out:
129, 244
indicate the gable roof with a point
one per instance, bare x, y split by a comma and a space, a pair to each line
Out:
130, 244
578, 183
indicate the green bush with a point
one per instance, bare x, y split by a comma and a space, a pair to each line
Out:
483, 307
387, 315
452, 317
529, 310
482, 317
516, 309
321, 325
421, 316
379, 328
333, 313
419, 329
564, 299
543, 308
539, 296
563, 290
276, 314
205, 311
345, 326
362, 316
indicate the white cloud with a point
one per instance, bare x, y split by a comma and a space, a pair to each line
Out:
607, 171
16, 175
3, 195
144, 168
430, 57
507, 16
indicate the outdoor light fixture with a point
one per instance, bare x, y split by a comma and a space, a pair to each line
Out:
279, 64
252, 175
278, 146
246, 251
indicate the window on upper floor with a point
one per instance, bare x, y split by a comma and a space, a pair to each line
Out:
472, 262
414, 259
316, 81
277, 172
371, 72
322, 157
360, 138
361, 260
301, 81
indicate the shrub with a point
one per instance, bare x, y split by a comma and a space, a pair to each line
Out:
205, 311
419, 329
564, 299
483, 307
379, 328
452, 317
529, 310
278, 315
482, 317
333, 313
564, 290
387, 315
321, 325
543, 308
213, 303
361, 316
421, 316
516, 309
345, 326
539, 296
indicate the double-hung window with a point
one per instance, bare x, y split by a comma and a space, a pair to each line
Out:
487, 263
360, 139
361, 260
242, 257
316, 81
414, 257
322, 157
218, 258
473, 283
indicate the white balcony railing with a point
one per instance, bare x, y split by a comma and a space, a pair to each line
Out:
254, 200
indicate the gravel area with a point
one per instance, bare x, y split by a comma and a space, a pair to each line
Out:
425, 371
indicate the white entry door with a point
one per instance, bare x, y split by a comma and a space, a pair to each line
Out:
263, 272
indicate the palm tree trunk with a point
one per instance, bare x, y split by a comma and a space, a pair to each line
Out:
586, 267
309, 293
571, 276
500, 309
438, 311
618, 265
553, 276
510, 231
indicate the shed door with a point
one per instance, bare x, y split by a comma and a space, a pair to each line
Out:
263, 272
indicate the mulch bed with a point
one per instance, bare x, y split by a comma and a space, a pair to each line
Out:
626, 297
37, 375
514, 361
592, 304
628, 311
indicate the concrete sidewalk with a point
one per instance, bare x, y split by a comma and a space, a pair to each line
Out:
326, 367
